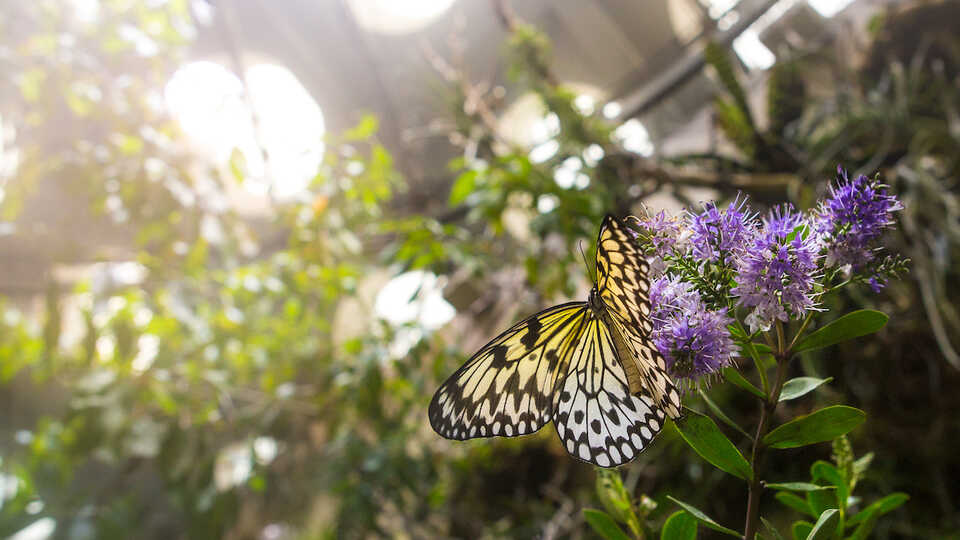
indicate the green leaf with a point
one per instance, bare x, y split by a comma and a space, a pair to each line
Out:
679, 526
786, 93
801, 530
791, 500
798, 486
736, 126
828, 472
238, 164
604, 525
463, 186
822, 470
862, 532
773, 530
703, 435
763, 354
718, 56
364, 130
800, 386
615, 498
820, 501
737, 379
823, 425
887, 504
826, 526
861, 465
703, 518
720, 414
852, 325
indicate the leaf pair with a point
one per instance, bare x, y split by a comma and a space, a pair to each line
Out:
828, 498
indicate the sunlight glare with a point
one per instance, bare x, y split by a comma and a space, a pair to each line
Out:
233, 466
717, 8
392, 17
85, 11
829, 8
612, 110
208, 102
415, 296
634, 137
40, 529
568, 175
752, 51
412, 297
547, 203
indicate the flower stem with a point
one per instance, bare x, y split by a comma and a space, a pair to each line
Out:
803, 328
767, 409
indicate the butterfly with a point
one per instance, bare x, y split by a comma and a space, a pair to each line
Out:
590, 367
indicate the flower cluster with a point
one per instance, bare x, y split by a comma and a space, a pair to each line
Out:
693, 340
717, 233
777, 271
662, 237
853, 218
727, 261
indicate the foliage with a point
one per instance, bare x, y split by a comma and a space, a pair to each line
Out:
623, 510
770, 276
244, 382
830, 493
887, 108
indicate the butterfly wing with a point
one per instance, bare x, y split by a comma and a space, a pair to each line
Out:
625, 289
507, 387
597, 418
565, 364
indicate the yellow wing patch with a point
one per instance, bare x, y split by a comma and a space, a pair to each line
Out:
507, 387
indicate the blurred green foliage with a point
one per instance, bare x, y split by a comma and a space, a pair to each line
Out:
221, 394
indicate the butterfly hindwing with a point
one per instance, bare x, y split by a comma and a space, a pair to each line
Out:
624, 287
652, 369
507, 387
597, 418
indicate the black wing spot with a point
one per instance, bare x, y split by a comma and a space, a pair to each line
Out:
530, 339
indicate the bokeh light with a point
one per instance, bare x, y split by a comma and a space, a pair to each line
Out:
280, 139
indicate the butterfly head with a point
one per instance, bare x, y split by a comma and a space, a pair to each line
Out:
594, 301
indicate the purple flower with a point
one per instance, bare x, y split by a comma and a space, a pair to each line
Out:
877, 283
693, 340
782, 220
777, 271
716, 232
663, 236
853, 218
670, 294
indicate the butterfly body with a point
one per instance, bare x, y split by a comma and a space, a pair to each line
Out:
587, 366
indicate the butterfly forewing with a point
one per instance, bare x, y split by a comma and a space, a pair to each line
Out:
507, 387
597, 418
625, 289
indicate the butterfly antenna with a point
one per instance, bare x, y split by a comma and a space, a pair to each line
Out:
584, 255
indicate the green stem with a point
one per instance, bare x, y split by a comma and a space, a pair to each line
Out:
780, 348
767, 409
756, 358
803, 328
